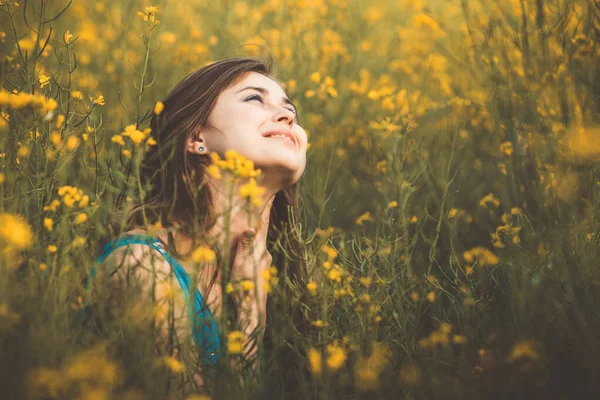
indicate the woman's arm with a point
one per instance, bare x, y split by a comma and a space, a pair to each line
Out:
144, 280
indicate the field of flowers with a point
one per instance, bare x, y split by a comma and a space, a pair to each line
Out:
448, 223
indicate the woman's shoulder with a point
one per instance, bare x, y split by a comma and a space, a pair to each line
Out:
128, 253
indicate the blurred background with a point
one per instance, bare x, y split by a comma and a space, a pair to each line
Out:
448, 214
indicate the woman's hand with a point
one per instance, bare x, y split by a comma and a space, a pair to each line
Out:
251, 305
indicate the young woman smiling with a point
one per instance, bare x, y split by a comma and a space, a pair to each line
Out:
234, 104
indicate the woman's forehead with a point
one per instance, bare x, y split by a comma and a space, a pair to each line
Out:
254, 79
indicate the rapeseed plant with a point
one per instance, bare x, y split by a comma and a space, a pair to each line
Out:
437, 146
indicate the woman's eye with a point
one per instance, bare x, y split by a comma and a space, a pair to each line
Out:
257, 97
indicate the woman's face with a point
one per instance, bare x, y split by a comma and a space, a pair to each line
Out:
248, 114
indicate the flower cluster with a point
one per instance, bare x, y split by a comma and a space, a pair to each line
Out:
70, 195
441, 337
244, 285
22, 100
89, 371
507, 229
235, 342
326, 87
149, 15
135, 135
270, 278
336, 358
15, 234
368, 369
237, 166
481, 255
203, 254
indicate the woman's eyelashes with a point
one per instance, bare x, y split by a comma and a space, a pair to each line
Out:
259, 98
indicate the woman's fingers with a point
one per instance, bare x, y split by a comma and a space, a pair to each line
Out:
247, 239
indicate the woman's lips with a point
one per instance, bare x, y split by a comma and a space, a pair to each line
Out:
288, 140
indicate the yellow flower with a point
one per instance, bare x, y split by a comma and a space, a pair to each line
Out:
72, 143
235, 342
459, 339
48, 224
80, 218
59, 121
134, 134
330, 251
149, 15
52, 248
483, 256
365, 377
453, 212
315, 363
489, 198
506, 148
319, 323
203, 254
2, 178
312, 287
23, 151
52, 206
99, 100
269, 277
15, 233
392, 204
523, 349
78, 241
334, 275
336, 357
126, 153
68, 37
229, 288
366, 281
364, 217
413, 219
151, 142
118, 139
430, 297
158, 107
55, 138
382, 166
252, 192
214, 171
43, 80
174, 364
247, 285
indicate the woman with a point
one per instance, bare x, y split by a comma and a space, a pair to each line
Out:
235, 104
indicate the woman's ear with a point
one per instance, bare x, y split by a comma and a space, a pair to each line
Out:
196, 144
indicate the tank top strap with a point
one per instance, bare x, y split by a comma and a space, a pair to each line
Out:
156, 244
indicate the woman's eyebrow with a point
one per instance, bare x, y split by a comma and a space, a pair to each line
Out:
266, 92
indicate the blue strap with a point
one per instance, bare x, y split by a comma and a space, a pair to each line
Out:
204, 326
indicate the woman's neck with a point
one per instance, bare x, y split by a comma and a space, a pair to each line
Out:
238, 220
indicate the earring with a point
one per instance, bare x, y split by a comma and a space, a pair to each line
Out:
201, 148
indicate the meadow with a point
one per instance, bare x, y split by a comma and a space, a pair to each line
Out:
448, 220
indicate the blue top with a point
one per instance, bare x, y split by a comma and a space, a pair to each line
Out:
204, 326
